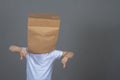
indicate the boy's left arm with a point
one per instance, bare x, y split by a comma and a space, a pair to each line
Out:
65, 57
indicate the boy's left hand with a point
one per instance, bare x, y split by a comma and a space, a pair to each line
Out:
64, 61
66, 55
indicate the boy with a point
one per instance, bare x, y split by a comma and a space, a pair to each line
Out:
39, 66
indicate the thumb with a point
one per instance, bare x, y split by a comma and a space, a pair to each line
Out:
64, 65
21, 56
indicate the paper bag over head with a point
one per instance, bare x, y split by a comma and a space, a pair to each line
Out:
43, 30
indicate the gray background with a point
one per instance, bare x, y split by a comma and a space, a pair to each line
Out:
89, 28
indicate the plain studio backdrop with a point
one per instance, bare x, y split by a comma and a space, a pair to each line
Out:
89, 28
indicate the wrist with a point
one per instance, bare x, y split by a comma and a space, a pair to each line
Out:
19, 50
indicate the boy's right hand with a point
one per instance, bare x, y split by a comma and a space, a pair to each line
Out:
17, 49
23, 53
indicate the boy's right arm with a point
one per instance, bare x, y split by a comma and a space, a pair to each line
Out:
17, 49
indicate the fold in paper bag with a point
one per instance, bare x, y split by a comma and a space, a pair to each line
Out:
43, 30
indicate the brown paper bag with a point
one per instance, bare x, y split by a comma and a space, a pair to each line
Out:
43, 32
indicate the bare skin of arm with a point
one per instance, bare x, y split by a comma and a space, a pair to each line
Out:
17, 49
65, 57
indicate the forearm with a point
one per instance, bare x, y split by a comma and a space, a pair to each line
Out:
14, 48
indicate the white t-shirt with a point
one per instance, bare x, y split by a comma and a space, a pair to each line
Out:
39, 66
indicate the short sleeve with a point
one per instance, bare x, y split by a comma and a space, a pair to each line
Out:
58, 54
25, 48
